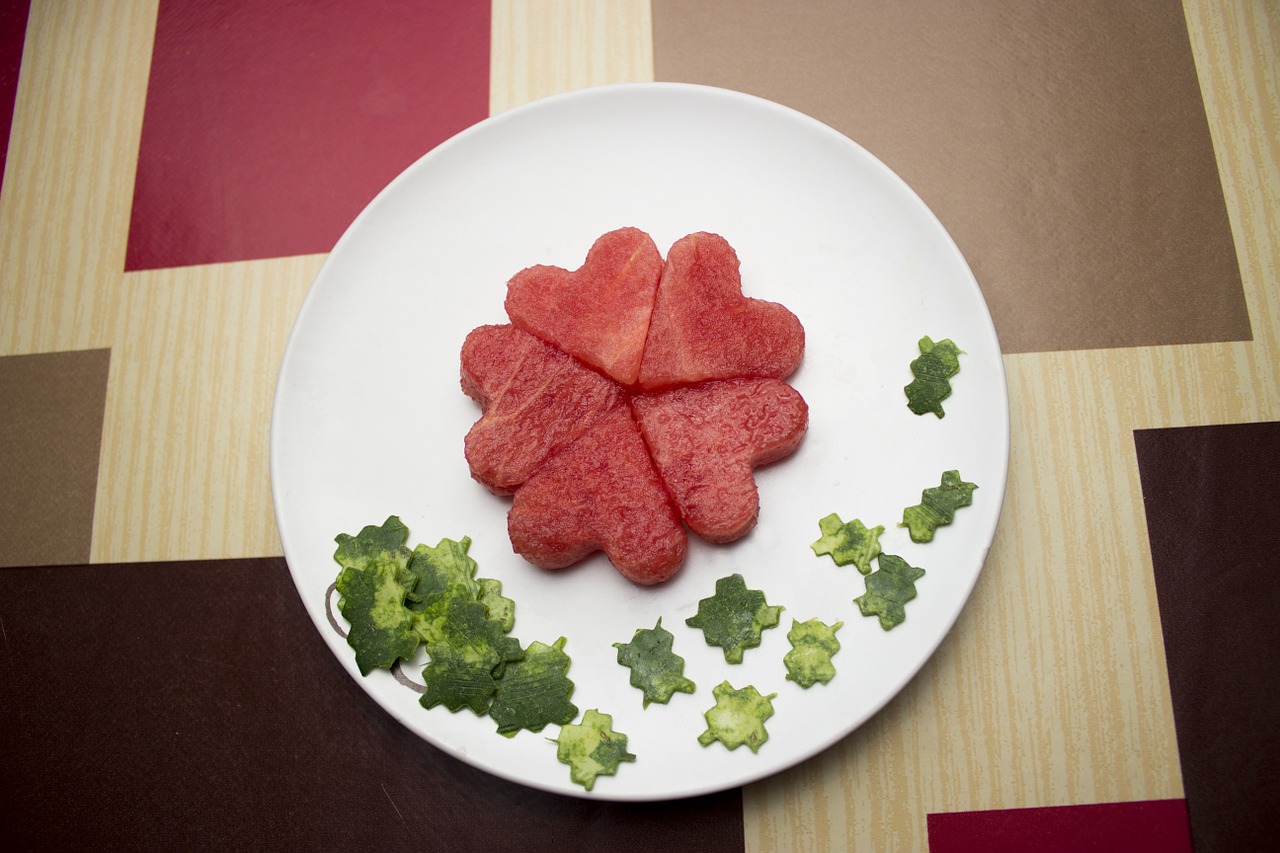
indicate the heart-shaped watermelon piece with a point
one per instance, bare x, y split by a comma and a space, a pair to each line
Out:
631, 397
703, 328
707, 439
598, 312
534, 398
600, 493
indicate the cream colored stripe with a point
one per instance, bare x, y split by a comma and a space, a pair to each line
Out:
1237, 49
185, 465
64, 215
1052, 689
541, 49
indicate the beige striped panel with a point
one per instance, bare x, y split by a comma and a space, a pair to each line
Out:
541, 49
64, 214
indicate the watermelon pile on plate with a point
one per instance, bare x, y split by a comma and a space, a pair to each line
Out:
629, 401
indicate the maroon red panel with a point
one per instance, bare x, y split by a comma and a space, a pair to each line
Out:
271, 123
1152, 826
13, 33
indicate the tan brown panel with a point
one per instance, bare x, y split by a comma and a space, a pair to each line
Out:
50, 432
1064, 145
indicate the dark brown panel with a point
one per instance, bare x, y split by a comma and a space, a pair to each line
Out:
1215, 545
51, 408
1063, 145
191, 706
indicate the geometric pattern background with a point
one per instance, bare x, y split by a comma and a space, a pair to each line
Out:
1055, 688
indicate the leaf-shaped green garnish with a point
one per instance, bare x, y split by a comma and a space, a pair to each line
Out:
932, 370
382, 629
441, 573
937, 506
812, 645
500, 608
395, 598
735, 617
738, 717
457, 683
372, 588
656, 670
534, 691
591, 748
444, 573
382, 544
848, 542
464, 657
889, 587
446, 567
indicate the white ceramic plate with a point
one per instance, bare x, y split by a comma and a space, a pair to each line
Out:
369, 417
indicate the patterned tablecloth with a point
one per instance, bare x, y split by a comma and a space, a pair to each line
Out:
174, 175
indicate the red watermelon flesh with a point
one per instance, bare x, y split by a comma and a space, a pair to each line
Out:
599, 312
535, 400
600, 493
704, 328
707, 439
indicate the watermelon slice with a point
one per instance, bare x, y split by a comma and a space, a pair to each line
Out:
704, 328
600, 493
534, 399
599, 312
631, 397
706, 440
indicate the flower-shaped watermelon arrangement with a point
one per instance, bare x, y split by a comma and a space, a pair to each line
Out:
629, 401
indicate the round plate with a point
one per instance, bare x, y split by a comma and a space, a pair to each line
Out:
369, 416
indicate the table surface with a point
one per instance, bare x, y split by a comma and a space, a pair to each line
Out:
174, 176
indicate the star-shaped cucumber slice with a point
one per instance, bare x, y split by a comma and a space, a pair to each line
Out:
932, 371
848, 542
735, 617
373, 587
591, 748
937, 506
813, 643
889, 588
656, 670
372, 600
382, 543
534, 691
738, 717
470, 648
